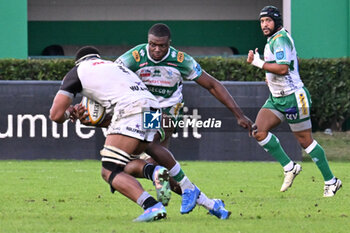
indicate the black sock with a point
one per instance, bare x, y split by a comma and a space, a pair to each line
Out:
149, 202
148, 170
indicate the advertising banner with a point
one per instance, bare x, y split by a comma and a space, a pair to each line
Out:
206, 131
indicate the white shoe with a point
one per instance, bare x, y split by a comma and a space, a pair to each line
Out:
331, 189
290, 176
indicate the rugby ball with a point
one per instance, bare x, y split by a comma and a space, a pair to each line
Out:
96, 112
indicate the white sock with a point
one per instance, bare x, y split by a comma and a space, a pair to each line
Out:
331, 181
289, 166
204, 201
185, 183
142, 198
175, 170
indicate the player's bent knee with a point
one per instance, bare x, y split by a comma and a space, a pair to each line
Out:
114, 160
259, 136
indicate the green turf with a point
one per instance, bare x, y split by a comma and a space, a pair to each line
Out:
70, 196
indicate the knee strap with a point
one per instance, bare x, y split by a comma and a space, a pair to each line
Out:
115, 170
111, 178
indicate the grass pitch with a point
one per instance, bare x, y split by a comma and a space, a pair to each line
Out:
70, 196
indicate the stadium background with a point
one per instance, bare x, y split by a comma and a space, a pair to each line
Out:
32, 25
226, 28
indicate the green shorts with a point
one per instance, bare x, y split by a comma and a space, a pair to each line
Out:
174, 113
295, 108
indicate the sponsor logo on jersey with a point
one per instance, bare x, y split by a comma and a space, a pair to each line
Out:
156, 82
136, 55
97, 63
180, 57
119, 62
122, 68
151, 119
143, 64
145, 73
134, 130
142, 52
173, 54
160, 91
139, 87
304, 108
171, 64
291, 113
175, 110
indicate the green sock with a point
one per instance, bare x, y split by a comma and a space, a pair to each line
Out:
317, 154
272, 145
179, 176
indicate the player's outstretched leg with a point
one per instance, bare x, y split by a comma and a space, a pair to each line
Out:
219, 210
215, 207
289, 177
152, 213
318, 155
190, 192
161, 182
331, 189
271, 144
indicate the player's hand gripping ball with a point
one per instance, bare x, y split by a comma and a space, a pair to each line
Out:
96, 112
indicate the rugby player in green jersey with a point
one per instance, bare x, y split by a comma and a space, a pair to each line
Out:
163, 68
289, 100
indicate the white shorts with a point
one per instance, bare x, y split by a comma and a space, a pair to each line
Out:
131, 126
127, 119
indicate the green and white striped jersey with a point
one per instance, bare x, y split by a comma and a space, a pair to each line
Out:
280, 49
163, 78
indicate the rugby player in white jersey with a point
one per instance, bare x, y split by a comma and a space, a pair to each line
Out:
113, 86
163, 69
289, 100
184, 187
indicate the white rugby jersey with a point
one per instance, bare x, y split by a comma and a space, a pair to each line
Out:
280, 49
106, 82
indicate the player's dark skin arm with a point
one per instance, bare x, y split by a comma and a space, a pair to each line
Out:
220, 92
59, 106
81, 114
